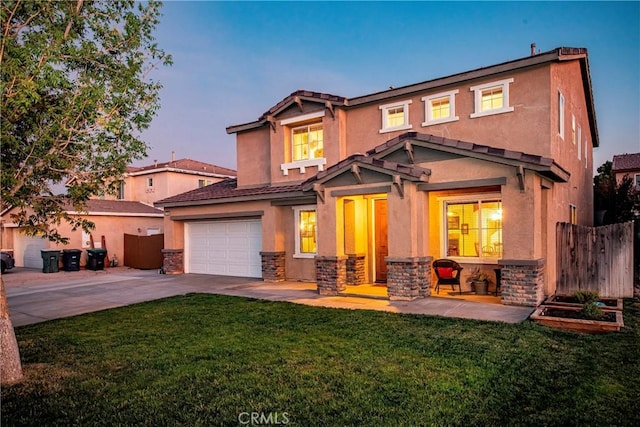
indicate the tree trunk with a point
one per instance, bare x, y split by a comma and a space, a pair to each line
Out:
10, 366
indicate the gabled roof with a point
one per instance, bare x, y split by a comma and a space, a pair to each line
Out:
183, 166
544, 165
626, 162
383, 167
227, 190
118, 208
555, 55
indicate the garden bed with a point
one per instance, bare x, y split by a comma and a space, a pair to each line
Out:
571, 319
572, 301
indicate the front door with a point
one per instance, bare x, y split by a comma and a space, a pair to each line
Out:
381, 246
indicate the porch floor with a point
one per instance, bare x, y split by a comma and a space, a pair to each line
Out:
378, 291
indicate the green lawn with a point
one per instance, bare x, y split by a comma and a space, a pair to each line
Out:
214, 360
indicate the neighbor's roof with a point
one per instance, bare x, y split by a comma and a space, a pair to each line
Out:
227, 190
119, 208
626, 162
555, 55
183, 166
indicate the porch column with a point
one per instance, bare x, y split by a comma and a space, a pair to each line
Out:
173, 261
273, 266
331, 274
355, 269
408, 278
522, 282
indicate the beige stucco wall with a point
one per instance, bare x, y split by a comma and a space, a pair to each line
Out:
254, 157
165, 184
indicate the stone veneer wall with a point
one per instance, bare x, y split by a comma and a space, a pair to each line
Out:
273, 266
522, 282
173, 261
408, 278
355, 269
331, 274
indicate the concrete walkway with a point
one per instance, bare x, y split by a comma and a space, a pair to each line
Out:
37, 297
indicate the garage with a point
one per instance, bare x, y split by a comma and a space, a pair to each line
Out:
229, 248
27, 250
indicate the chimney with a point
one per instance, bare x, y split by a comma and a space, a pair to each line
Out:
173, 156
533, 49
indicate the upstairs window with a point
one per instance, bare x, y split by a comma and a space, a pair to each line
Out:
561, 115
573, 129
491, 98
150, 182
573, 214
440, 108
637, 181
395, 116
120, 193
204, 182
307, 142
579, 143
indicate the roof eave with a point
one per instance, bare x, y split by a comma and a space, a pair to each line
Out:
234, 199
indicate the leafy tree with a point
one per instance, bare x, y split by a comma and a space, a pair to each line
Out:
620, 200
76, 95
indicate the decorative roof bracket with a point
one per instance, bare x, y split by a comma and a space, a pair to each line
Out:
319, 189
298, 102
272, 122
408, 148
329, 106
397, 182
355, 170
520, 175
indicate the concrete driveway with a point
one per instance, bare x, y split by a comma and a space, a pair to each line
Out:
34, 296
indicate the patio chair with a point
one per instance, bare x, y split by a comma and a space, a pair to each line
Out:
448, 273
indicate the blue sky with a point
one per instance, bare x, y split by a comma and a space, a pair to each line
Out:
234, 60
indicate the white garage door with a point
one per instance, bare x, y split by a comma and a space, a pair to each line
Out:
27, 250
230, 248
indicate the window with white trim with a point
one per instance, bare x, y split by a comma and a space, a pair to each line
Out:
586, 154
120, 193
307, 142
440, 108
573, 129
560, 115
637, 181
395, 116
473, 227
579, 142
491, 98
306, 231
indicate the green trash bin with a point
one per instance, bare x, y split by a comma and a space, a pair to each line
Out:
50, 260
95, 259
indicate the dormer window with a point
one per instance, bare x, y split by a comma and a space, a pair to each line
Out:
395, 116
307, 142
491, 98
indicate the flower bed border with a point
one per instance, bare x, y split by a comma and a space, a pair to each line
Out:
551, 301
577, 325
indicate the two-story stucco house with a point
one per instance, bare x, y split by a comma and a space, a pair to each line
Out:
477, 167
627, 165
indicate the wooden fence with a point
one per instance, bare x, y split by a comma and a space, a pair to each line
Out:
143, 252
595, 259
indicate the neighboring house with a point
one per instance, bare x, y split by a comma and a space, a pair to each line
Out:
627, 164
477, 167
131, 211
148, 184
112, 218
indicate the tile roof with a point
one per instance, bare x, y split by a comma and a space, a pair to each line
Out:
626, 162
304, 94
119, 207
186, 165
227, 189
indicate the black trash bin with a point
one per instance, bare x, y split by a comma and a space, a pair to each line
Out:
50, 260
95, 259
71, 259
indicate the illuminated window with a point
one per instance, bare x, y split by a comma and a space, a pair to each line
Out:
395, 116
204, 182
491, 98
473, 228
440, 108
306, 231
573, 214
573, 129
307, 142
561, 115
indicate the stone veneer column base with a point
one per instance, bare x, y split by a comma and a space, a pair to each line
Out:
355, 269
331, 274
173, 261
273, 266
522, 282
408, 278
